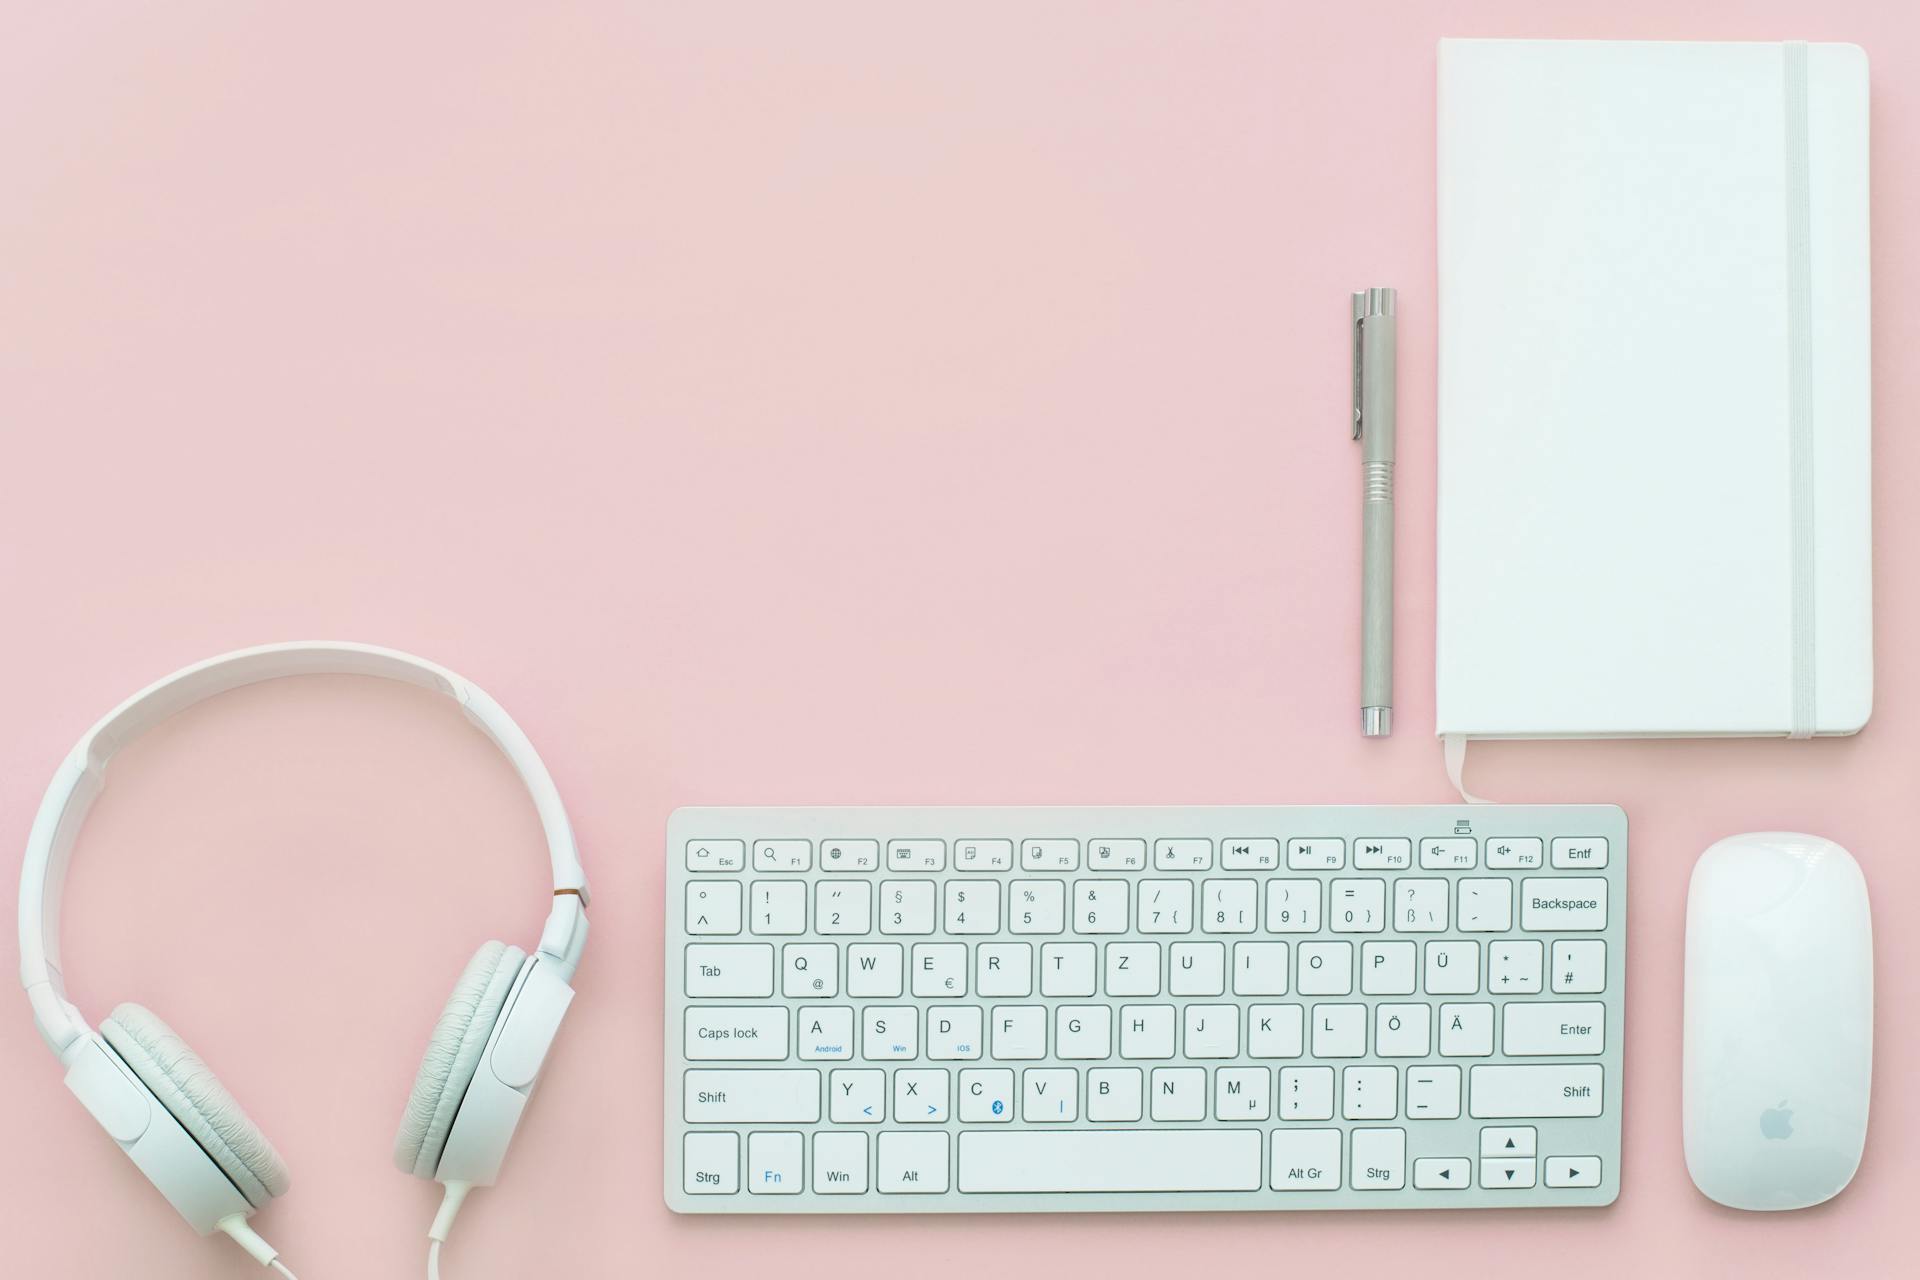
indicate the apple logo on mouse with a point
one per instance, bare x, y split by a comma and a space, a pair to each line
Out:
1777, 1121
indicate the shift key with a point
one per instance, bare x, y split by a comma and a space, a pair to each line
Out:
1523, 1092
753, 1097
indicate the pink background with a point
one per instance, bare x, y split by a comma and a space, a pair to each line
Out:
769, 404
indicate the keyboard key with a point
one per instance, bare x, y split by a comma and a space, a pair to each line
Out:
1484, 906
986, 1096
1326, 968
1379, 1159
1442, 1173
825, 1032
716, 855
1113, 1096
773, 1164
1274, 1031
1306, 1160
1466, 1030
711, 1166
713, 906
1535, 1029
1100, 906
1229, 906
1306, 1093
766, 1096
1420, 906
1242, 1093
955, 1033
1579, 966
1037, 906
1050, 1095
1182, 855
1382, 855
906, 906
1083, 1031
890, 1033
1250, 855
843, 908
1510, 1142
1369, 1093
1166, 906
1449, 853
1146, 1030
1506, 1175
1111, 1160
1514, 853
1572, 1171
1212, 1031
782, 855
1497, 1092
1067, 969
1133, 969
1513, 968
1293, 906
1452, 968
1579, 854
849, 855
1402, 1030
982, 855
1318, 854
1178, 1093
777, 906
1019, 1032
1339, 1030
1386, 968
1358, 906
916, 855
1117, 855
1563, 906
920, 1096
729, 969
1003, 969
1197, 969
736, 1033
1259, 968
913, 1164
857, 1096
973, 907
1433, 1093
839, 1164
1050, 855
876, 970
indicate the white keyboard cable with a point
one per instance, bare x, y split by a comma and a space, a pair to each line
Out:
443, 1224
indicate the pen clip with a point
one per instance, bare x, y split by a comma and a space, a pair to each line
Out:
1367, 303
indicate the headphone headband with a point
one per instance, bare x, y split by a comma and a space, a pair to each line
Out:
82, 776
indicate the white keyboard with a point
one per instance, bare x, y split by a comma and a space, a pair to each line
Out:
1068, 1009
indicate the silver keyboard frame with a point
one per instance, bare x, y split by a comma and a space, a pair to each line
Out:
1459, 1137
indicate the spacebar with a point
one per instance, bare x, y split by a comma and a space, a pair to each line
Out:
1111, 1160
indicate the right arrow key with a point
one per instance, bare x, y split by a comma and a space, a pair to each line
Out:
1573, 1171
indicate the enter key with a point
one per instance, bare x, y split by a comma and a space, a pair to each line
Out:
1576, 1029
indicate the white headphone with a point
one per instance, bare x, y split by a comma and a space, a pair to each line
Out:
160, 1102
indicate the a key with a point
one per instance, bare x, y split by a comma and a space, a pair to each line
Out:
773, 1164
1452, 968
782, 855
843, 908
1577, 854
939, 969
810, 970
1369, 1093
1540, 1029
1293, 906
1513, 968
920, 1095
1099, 906
1113, 1095
729, 969
913, 1164
1133, 969
1402, 1030
1420, 906
1067, 969
1449, 853
1110, 1160
1484, 906
1003, 969
1049, 855
1579, 966
1306, 1093
1306, 1160
954, 1032
857, 1096
986, 1096
849, 855
1146, 1031
890, 1032
983, 855
1274, 1030
1050, 1095
1229, 906
1386, 968
1166, 906
716, 855
777, 906
876, 970
1262, 854
736, 1033
906, 906
1117, 855
1019, 1032
1339, 1030
1326, 968
1182, 855
1379, 1159
916, 855
1242, 1093
973, 906
1466, 1030
752, 1096
1259, 968
1212, 1031
1036, 906
1358, 906
1197, 969
1316, 854
1380, 854
1178, 1093
1083, 1031
1499, 1091
1563, 905
710, 1164
824, 1032
1513, 853
839, 1164
713, 906
1433, 1093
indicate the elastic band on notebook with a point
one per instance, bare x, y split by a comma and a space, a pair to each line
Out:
1800, 382
1454, 747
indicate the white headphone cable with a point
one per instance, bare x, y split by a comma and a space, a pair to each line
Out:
247, 1238
443, 1224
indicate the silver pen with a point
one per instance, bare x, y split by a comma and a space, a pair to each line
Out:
1373, 357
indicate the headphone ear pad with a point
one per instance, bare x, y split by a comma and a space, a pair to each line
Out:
453, 1055
189, 1089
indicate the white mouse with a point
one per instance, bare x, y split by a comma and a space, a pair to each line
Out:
1779, 1021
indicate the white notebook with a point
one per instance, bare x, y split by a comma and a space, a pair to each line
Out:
1654, 380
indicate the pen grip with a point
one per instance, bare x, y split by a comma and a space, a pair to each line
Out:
1376, 596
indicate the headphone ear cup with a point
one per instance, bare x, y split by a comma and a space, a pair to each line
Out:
453, 1055
196, 1098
